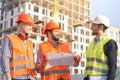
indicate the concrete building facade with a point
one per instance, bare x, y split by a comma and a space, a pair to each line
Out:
69, 14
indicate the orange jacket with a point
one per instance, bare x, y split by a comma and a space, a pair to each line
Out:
21, 62
57, 72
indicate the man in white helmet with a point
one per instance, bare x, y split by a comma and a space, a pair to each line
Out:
101, 53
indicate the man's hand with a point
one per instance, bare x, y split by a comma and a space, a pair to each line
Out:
77, 60
8, 77
39, 67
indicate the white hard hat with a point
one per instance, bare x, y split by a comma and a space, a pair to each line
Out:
101, 20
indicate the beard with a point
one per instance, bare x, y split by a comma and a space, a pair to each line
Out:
94, 33
55, 38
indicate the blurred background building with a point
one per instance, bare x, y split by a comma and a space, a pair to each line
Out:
70, 15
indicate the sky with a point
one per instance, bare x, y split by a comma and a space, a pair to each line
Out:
109, 8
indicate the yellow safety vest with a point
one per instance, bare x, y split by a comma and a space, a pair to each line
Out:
97, 62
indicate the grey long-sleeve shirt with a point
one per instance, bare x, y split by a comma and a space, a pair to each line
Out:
5, 58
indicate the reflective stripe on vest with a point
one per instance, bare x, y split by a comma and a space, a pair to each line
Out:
18, 58
47, 47
54, 72
21, 62
97, 69
21, 58
97, 62
19, 67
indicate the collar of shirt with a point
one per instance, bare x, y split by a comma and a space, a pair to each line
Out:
24, 41
96, 40
99, 38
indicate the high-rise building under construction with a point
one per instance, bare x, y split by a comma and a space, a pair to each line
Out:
71, 16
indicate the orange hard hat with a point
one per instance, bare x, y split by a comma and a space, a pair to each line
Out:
50, 26
26, 18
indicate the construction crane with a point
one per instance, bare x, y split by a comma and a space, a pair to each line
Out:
55, 9
81, 23
55, 14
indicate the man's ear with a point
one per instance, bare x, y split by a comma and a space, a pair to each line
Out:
20, 24
100, 27
48, 33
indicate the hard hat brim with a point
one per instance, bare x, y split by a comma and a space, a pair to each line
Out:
44, 31
28, 23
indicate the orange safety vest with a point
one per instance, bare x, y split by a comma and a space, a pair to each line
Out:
57, 72
21, 62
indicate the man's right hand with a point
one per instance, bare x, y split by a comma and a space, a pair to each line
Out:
77, 58
8, 77
39, 68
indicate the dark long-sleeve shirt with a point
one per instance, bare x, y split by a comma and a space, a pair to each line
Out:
110, 50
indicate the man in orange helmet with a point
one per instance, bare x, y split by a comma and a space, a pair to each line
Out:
53, 45
17, 57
